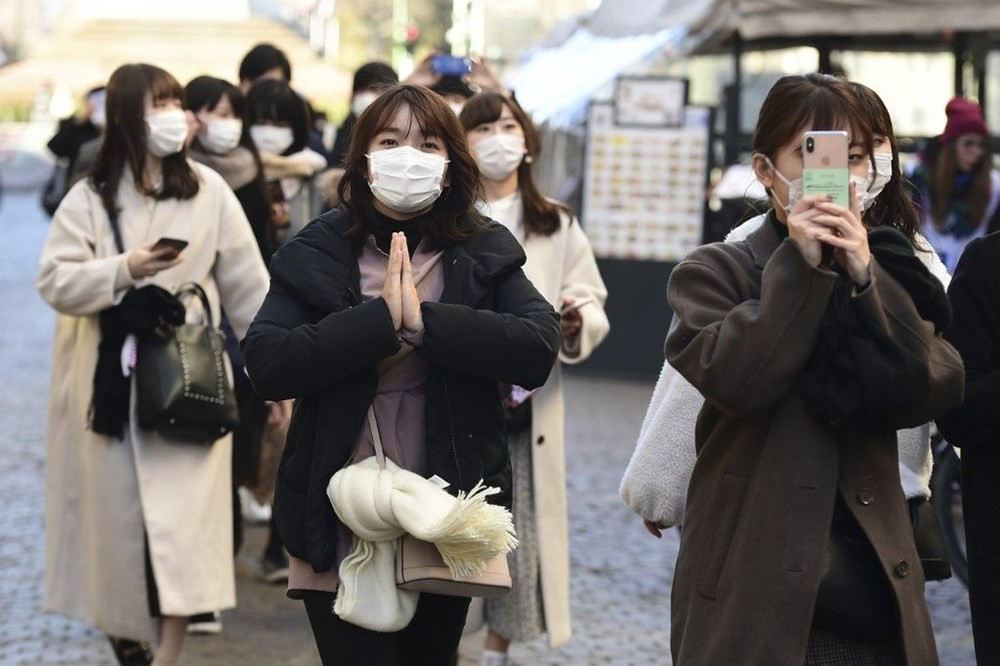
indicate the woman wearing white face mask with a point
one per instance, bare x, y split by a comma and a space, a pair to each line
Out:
139, 534
222, 144
562, 267
407, 301
369, 81
278, 123
884, 202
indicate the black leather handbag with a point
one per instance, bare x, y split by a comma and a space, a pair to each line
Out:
183, 389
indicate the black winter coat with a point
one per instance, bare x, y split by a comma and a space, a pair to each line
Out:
314, 340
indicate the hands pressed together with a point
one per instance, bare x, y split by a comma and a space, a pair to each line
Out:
399, 292
815, 222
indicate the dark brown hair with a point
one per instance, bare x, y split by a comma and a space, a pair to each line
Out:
541, 215
802, 102
893, 206
125, 134
942, 167
451, 220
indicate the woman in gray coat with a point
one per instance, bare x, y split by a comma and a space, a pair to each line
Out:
812, 342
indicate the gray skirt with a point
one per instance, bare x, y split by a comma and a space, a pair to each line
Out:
518, 615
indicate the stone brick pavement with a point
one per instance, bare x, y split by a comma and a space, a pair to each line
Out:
621, 575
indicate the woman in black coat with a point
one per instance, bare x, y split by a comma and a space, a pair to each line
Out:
975, 427
407, 300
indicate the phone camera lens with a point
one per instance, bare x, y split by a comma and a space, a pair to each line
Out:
810, 144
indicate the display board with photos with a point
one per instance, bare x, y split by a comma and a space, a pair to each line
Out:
644, 189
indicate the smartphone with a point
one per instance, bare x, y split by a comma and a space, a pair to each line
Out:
175, 244
576, 305
449, 65
825, 165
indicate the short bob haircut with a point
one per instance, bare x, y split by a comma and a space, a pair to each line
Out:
275, 101
453, 215
798, 103
125, 134
203, 93
541, 216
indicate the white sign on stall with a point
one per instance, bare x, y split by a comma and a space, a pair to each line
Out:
644, 190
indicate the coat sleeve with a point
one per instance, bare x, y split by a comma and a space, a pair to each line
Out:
975, 333
239, 270
744, 354
288, 354
516, 342
72, 277
886, 305
581, 279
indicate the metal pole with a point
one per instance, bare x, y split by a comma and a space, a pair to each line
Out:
400, 18
734, 103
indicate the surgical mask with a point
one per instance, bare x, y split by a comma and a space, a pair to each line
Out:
221, 135
168, 132
271, 139
879, 177
98, 117
406, 179
362, 101
794, 187
498, 155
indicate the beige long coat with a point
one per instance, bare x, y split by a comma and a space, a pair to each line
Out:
103, 494
559, 265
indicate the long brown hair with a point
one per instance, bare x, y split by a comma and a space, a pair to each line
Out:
893, 206
942, 167
125, 134
801, 102
454, 216
541, 215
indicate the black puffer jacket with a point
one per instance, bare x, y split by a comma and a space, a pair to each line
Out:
314, 340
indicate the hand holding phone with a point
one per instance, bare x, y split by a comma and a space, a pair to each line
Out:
575, 305
449, 65
175, 245
825, 166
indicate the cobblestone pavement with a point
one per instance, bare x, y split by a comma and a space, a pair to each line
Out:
621, 575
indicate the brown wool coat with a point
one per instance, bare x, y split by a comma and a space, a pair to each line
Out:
761, 496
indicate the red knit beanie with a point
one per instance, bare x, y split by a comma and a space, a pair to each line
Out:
964, 117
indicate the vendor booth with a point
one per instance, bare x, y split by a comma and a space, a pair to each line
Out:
644, 105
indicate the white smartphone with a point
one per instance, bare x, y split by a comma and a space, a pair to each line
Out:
576, 305
825, 165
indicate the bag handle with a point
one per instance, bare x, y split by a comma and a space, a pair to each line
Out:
197, 290
376, 438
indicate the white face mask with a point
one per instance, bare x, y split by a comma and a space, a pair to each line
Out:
794, 187
221, 135
879, 177
362, 101
168, 131
498, 155
98, 117
271, 139
406, 179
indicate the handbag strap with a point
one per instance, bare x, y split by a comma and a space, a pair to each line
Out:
376, 438
115, 230
199, 291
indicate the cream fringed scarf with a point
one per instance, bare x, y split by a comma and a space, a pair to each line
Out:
379, 506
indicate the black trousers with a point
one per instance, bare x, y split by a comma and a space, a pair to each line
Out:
431, 638
980, 470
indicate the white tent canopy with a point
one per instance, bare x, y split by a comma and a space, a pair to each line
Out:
556, 82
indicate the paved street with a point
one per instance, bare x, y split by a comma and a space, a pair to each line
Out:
621, 575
